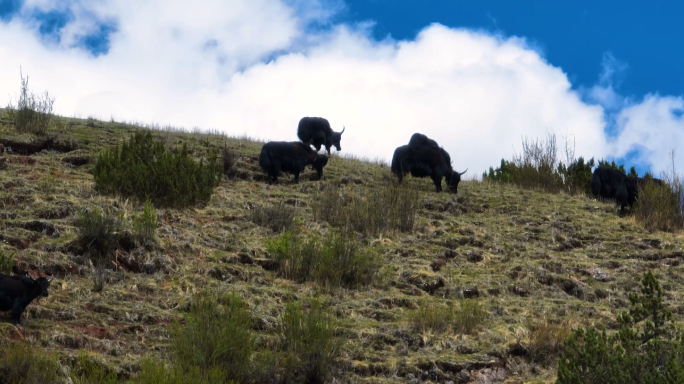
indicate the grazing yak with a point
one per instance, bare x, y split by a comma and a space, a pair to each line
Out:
17, 292
605, 182
317, 131
628, 191
423, 161
291, 157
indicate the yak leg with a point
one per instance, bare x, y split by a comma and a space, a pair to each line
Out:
16, 311
438, 182
296, 180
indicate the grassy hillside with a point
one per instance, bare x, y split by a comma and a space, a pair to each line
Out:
511, 270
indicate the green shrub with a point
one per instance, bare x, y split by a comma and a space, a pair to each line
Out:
145, 225
546, 339
6, 262
278, 217
308, 339
144, 167
440, 318
97, 232
22, 363
660, 207
33, 113
338, 260
646, 349
215, 337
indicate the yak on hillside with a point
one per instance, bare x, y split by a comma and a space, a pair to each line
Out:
17, 292
426, 161
628, 191
291, 157
316, 131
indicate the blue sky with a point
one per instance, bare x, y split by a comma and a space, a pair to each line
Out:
574, 35
477, 76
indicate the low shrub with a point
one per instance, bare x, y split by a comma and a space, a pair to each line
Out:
145, 225
216, 337
546, 340
97, 232
308, 339
278, 217
338, 260
661, 207
144, 167
88, 371
22, 363
6, 262
33, 113
156, 372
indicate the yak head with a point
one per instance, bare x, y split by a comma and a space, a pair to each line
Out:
43, 284
319, 163
336, 138
453, 181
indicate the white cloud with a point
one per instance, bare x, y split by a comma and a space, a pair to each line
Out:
474, 93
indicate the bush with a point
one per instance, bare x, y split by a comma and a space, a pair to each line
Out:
307, 338
538, 167
660, 207
278, 217
373, 211
439, 318
215, 337
339, 260
228, 159
646, 349
22, 363
32, 113
145, 225
6, 262
97, 232
144, 167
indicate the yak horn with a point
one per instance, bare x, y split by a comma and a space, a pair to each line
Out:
51, 278
461, 173
343, 128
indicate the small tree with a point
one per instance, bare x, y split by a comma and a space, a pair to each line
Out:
646, 349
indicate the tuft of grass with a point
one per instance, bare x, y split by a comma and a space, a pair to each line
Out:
229, 159
33, 113
155, 372
97, 232
338, 260
88, 371
145, 224
547, 338
372, 211
661, 207
308, 339
215, 337
440, 318
21, 363
278, 217
6, 262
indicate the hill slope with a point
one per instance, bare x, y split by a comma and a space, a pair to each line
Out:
528, 258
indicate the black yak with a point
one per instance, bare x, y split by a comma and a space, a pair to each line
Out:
291, 157
17, 292
628, 191
317, 131
424, 161
605, 182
